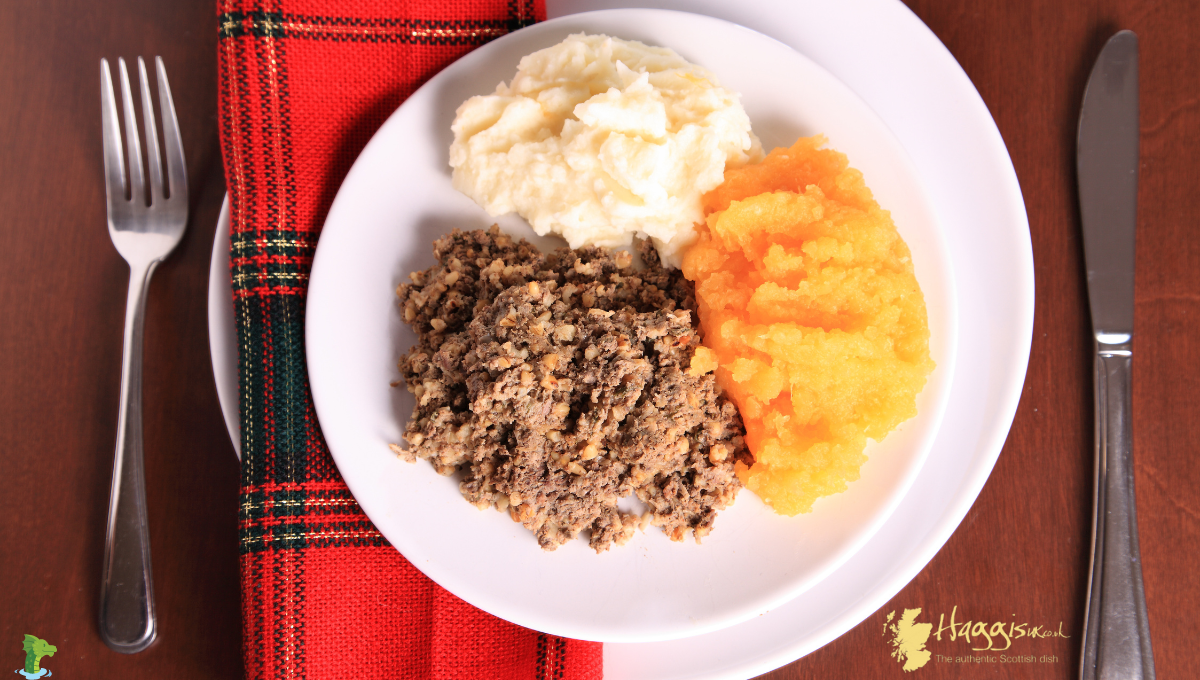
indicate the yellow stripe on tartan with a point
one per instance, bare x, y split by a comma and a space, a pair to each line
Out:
240, 243
325, 534
362, 533
241, 279
270, 25
323, 31
249, 505
319, 502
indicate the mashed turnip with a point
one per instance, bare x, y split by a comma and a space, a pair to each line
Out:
813, 315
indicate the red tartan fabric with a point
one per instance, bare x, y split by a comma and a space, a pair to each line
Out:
303, 86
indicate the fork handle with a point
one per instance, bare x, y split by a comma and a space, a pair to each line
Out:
127, 617
1116, 640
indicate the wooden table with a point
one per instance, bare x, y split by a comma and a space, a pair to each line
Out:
1020, 556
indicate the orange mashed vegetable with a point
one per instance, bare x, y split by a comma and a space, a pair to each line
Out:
813, 319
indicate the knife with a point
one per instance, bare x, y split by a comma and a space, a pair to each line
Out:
1116, 639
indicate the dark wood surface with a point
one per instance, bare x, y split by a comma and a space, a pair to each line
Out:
1019, 556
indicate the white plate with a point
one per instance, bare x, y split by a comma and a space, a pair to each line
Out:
397, 198
881, 50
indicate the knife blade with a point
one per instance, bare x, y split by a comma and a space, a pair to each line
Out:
1116, 640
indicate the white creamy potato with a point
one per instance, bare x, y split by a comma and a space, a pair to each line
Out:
598, 139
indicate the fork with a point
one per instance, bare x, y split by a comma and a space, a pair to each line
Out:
145, 228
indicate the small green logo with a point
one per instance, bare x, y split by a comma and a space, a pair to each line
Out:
35, 648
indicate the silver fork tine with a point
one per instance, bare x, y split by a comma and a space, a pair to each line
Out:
137, 182
114, 163
176, 168
152, 156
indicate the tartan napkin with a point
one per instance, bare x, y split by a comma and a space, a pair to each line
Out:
303, 86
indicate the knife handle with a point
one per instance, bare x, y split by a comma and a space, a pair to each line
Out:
1116, 641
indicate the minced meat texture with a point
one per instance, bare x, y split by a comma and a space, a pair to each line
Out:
558, 383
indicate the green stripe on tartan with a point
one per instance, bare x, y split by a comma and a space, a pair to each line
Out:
291, 391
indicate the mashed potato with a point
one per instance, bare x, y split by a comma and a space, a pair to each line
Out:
813, 315
598, 139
